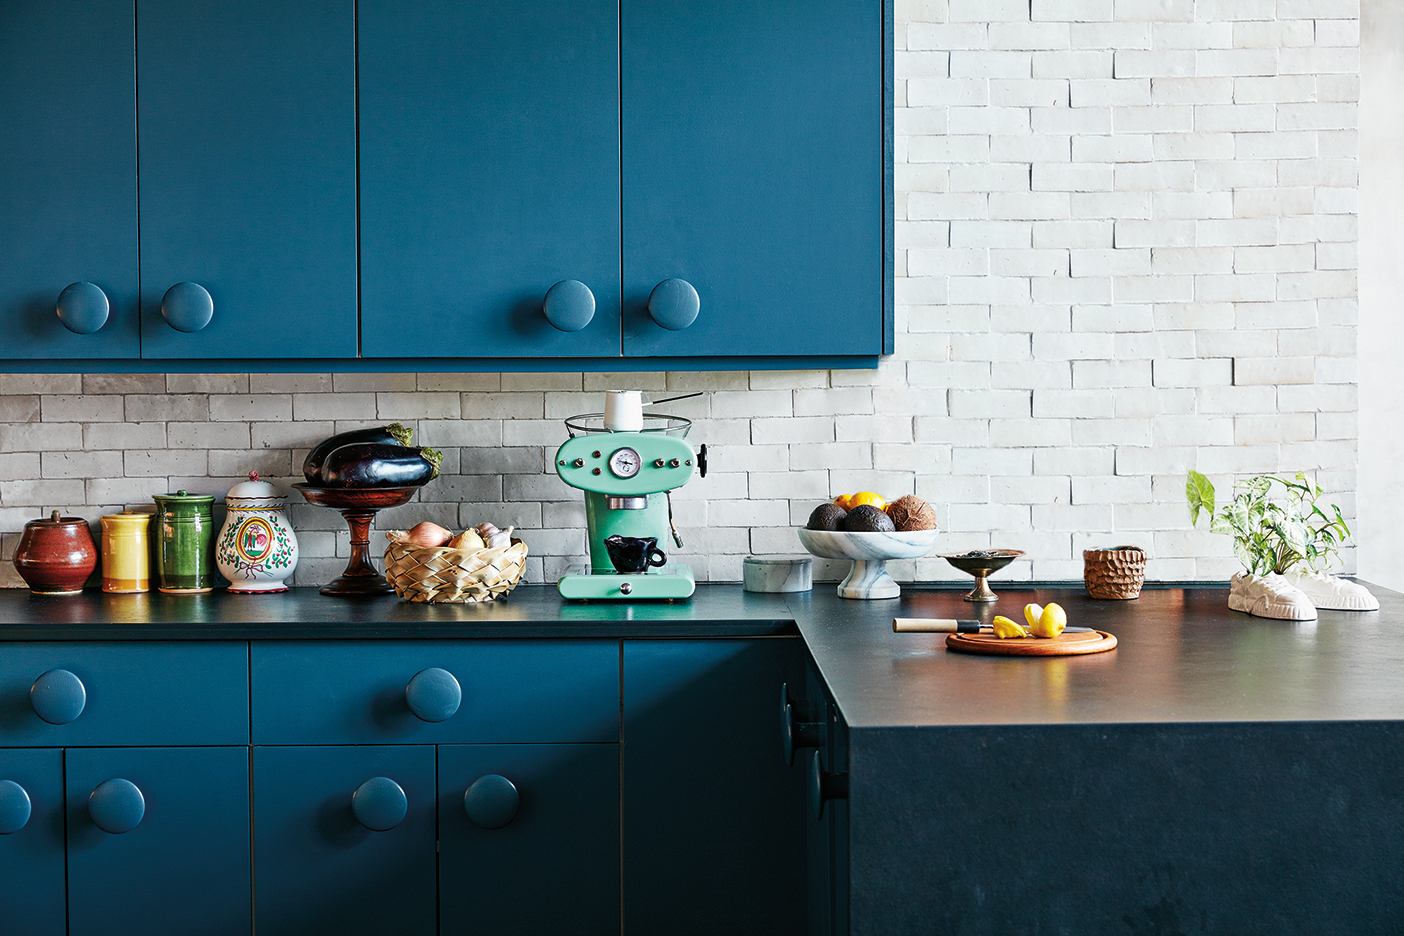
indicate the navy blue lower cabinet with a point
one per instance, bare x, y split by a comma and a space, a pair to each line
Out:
31, 843
344, 840
714, 828
529, 839
158, 841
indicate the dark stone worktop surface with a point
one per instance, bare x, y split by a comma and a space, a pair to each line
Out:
1182, 655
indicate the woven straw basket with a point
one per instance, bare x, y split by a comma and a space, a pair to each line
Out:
441, 574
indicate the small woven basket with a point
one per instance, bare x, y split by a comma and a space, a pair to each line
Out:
441, 574
1116, 573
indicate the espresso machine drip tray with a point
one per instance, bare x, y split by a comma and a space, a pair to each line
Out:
671, 582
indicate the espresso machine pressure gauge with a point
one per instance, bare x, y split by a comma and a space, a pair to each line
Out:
625, 463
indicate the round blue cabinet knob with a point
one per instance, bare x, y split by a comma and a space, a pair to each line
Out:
433, 695
569, 305
116, 806
82, 308
58, 696
187, 307
492, 801
379, 804
14, 807
674, 304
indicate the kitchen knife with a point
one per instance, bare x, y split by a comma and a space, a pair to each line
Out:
954, 626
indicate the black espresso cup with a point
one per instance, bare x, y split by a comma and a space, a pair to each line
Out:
634, 554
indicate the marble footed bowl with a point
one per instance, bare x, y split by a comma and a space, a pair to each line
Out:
838, 544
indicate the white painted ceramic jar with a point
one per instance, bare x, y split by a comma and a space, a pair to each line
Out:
257, 548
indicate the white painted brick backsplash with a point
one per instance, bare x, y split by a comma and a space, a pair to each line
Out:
1126, 247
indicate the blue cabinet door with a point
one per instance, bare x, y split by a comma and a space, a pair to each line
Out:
182, 865
247, 131
529, 838
31, 843
68, 211
319, 867
753, 169
714, 829
489, 139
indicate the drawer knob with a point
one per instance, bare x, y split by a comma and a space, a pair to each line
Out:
58, 696
433, 695
116, 806
674, 304
824, 786
492, 801
187, 307
569, 305
797, 734
82, 308
379, 804
14, 807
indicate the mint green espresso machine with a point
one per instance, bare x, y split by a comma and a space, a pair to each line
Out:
627, 477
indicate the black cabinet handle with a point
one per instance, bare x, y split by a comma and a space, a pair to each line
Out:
797, 734
824, 786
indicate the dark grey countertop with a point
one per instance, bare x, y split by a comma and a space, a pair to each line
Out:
305, 614
1182, 655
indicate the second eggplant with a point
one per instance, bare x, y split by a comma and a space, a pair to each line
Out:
380, 464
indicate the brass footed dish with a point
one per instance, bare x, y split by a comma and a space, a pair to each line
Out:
982, 563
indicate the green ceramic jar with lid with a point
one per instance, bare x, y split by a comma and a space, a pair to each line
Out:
185, 540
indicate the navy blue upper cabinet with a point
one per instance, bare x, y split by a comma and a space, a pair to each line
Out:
753, 172
247, 132
489, 173
68, 199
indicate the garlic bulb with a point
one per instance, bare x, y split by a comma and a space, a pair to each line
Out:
493, 536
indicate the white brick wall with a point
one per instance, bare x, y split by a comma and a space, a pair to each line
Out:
1126, 247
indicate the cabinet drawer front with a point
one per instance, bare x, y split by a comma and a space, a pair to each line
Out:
318, 692
166, 693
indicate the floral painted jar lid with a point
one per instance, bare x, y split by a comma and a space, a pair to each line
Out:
253, 490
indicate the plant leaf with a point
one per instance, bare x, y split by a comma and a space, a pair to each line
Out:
1199, 491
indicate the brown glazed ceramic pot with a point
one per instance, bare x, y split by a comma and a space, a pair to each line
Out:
1116, 573
55, 556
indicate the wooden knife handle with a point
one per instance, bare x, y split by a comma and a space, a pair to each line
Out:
934, 626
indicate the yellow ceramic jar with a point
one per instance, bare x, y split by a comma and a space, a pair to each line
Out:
126, 552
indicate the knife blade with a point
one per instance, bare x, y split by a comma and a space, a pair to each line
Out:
954, 626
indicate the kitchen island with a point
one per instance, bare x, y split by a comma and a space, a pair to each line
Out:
1214, 773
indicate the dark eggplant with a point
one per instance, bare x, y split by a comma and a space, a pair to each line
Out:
380, 464
391, 434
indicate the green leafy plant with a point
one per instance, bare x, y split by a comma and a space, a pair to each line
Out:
1275, 523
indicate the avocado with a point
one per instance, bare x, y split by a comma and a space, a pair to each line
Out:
865, 518
826, 517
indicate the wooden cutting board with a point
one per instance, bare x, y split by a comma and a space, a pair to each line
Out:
1062, 645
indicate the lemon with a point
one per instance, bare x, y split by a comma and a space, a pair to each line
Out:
1032, 613
866, 497
1004, 627
1051, 622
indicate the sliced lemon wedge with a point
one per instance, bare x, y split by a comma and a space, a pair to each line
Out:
1051, 622
1004, 627
1032, 613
